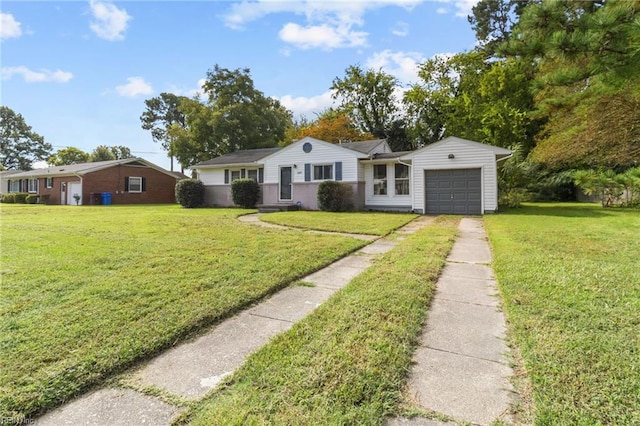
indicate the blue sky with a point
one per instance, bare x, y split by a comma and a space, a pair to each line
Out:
79, 71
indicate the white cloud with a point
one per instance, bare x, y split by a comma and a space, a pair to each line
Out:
442, 10
190, 92
322, 36
463, 7
307, 107
328, 24
401, 29
135, 86
9, 27
402, 65
41, 76
109, 22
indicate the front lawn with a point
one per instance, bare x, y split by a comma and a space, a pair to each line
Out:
570, 278
355, 223
347, 362
88, 291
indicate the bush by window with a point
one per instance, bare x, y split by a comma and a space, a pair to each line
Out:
335, 196
245, 193
190, 193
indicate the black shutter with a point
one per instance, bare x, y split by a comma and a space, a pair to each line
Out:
8, 186
260, 175
338, 170
126, 184
243, 173
226, 176
307, 172
144, 184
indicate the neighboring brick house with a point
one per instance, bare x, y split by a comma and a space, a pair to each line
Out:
129, 181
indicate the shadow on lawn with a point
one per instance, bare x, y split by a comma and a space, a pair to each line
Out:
568, 210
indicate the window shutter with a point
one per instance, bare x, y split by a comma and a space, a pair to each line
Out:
243, 173
9, 186
307, 172
144, 184
126, 184
226, 176
261, 175
338, 170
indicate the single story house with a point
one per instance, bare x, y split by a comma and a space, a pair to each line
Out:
452, 176
129, 181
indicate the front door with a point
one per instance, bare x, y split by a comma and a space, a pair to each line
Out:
63, 193
286, 186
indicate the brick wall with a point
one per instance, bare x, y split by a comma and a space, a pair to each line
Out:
159, 187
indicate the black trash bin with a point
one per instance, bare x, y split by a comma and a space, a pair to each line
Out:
95, 198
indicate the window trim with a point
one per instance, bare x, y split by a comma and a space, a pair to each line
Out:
323, 165
380, 183
30, 189
48, 182
130, 178
243, 173
401, 180
15, 185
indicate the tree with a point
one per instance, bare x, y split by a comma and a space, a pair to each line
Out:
493, 21
102, 153
330, 126
20, 146
161, 114
368, 97
68, 155
234, 117
120, 152
243, 117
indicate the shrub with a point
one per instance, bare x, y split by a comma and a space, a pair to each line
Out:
190, 193
245, 193
32, 199
20, 197
8, 198
513, 198
335, 196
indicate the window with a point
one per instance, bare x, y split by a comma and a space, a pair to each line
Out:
15, 186
33, 185
402, 179
48, 182
235, 175
135, 184
380, 179
252, 174
323, 172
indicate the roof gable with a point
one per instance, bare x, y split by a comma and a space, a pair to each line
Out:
308, 139
377, 146
496, 150
84, 168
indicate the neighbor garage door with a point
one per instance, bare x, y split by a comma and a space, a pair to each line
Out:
453, 191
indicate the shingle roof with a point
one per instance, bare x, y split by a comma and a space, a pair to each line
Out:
364, 147
83, 168
246, 156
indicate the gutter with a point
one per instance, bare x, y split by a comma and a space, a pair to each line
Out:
504, 158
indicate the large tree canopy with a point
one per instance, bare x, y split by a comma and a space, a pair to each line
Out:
331, 126
20, 146
368, 97
588, 80
234, 116
68, 155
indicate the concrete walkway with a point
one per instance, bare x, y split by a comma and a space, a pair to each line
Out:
190, 370
460, 368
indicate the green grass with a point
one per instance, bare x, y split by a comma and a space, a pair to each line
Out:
89, 291
347, 362
570, 278
355, 223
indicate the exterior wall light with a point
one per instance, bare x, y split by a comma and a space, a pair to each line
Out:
451, 156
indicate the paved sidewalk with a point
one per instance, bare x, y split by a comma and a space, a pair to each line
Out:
192, 369
461, 368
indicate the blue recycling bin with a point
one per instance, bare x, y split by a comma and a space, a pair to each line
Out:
106, 198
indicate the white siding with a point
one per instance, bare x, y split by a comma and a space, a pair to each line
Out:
211, 176
390, 199
321, 153
467, 156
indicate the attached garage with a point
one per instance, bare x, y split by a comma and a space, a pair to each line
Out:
455, 176
455, 191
